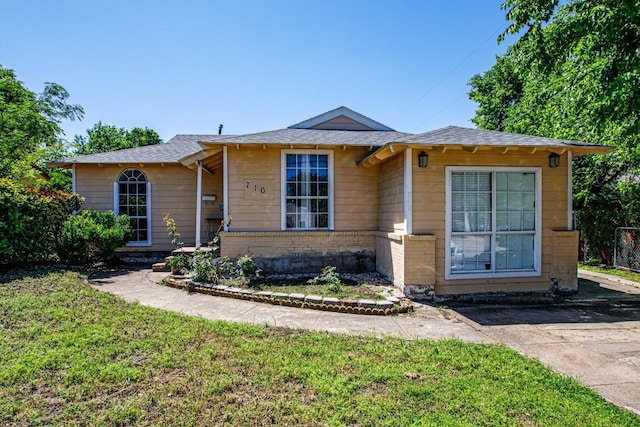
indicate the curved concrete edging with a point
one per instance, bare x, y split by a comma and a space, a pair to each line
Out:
368, 307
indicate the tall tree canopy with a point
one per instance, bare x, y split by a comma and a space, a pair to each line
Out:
30, 123
102, 138
574, 73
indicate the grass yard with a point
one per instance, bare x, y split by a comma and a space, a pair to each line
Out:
72, 355
613, 271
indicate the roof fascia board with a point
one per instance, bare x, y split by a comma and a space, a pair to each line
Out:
200, 155
378, 156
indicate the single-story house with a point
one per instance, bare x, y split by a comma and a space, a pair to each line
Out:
447, 212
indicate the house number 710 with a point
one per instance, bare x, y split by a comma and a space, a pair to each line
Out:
255, 187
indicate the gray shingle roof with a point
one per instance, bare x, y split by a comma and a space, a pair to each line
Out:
319, 137
178, 147
454, 135
182, 146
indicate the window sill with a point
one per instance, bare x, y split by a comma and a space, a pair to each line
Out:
505, 275
138, 244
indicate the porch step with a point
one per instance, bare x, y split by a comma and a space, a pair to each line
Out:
160, 267
190, 250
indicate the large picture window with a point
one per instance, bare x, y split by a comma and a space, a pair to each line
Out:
493, 222
132, 197
307, 190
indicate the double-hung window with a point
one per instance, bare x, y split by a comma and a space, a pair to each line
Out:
493, 222
307, 190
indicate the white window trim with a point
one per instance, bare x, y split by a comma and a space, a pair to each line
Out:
537, 271
283, 188
116, 210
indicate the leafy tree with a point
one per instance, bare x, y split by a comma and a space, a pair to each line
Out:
573, 74
30, 123
102, 138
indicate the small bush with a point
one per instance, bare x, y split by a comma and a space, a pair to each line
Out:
246, 268
243, 269
204, 268
179, 263
328, 277
92, 236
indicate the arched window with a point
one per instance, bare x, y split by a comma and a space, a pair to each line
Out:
132, 197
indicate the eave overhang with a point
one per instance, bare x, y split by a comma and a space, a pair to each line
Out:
391, 149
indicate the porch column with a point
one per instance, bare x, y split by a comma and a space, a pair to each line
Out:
198, 204
73, 183
225, 189
408, 191
73, 178
569, 190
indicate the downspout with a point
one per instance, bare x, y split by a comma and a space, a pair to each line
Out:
408, 191
225, 189
569, 190
199, 205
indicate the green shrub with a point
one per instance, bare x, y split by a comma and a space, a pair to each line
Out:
328, 277
204, 268
92, 236
179, 263
31, 220
243, 269
246, 268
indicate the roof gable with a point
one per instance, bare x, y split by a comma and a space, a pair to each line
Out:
342, 118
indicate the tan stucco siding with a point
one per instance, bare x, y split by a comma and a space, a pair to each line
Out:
173, 190
391, 204
429, 213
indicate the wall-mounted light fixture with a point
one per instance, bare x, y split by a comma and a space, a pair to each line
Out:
554, 160
423, 159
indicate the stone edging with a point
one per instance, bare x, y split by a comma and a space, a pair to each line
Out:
380, 308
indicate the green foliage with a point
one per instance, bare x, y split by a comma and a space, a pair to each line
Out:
246, 268
92, 236
204, 268
30, 123
328, 277
102, 138
573, 74
71, 355
179, 263
172, 230
31, 220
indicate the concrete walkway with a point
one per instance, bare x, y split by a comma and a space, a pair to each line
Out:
599, 345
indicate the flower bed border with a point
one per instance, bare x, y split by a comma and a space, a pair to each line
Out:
367, 307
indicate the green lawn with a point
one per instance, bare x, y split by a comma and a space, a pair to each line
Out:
71, 355
613, 271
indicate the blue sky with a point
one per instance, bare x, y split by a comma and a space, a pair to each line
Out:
186, 67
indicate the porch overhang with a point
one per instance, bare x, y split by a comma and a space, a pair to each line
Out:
391, 149
210, 159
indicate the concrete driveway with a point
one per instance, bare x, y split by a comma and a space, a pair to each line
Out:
594, 337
